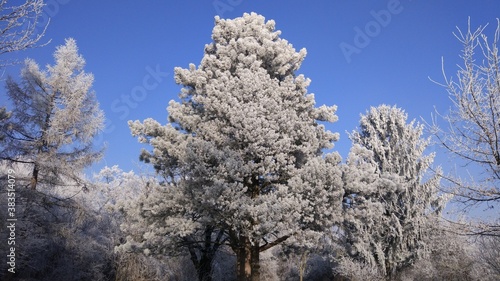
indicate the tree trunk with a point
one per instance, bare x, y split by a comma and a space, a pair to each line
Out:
204, 268
34, 177
203, 257
239, 259
243, 259
255, 263
203, 264
303, 264
247, 260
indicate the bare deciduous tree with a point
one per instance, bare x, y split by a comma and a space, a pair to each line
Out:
489, 254
473, 131
19, 28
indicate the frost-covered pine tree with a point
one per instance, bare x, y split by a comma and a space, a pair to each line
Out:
243, 149
54, 119
389, 194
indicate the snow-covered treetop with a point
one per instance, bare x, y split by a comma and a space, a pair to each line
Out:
396, 144
248, 40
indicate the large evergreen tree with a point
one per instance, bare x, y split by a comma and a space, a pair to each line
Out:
54, 119
389, 196
243, 149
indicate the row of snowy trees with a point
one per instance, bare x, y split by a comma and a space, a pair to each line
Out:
244, 163
245, 172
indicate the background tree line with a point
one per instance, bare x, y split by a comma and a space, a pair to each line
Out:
247, 185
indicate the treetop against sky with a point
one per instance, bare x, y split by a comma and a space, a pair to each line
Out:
359, 54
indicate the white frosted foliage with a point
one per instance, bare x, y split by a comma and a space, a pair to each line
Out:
243, 147
55, 117
390, 195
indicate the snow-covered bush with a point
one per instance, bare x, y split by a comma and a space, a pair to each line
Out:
57, 237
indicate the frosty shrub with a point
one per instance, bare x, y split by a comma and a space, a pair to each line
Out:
138, 267
114, 192
358, 271
57, 237
489, 255
242, 153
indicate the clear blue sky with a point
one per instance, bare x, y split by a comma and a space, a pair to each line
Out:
132, 47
